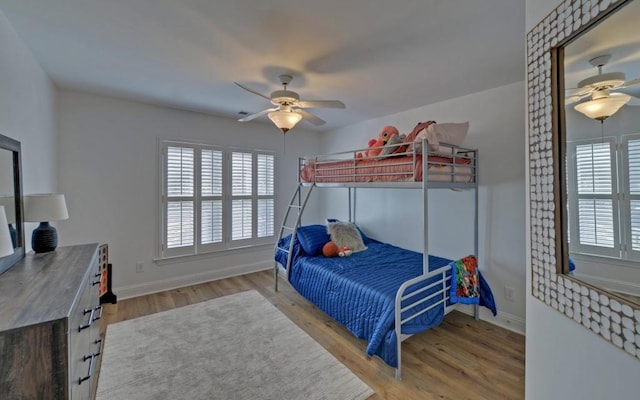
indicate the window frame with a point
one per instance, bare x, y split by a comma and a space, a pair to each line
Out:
198, 248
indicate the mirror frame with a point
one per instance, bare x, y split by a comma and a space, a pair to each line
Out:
613, 318
13, 145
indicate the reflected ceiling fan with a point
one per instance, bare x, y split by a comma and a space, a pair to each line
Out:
289, 108
601, 89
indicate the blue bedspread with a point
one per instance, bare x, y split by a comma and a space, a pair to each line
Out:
359, 291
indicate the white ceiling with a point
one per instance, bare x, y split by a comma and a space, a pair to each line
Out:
378, 56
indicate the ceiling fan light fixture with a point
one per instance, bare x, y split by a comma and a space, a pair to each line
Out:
604, 107
285, 120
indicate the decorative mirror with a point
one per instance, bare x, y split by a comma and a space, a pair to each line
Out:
11, 198
580, 155
600, 132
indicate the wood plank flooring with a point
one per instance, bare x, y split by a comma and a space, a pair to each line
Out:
460, 359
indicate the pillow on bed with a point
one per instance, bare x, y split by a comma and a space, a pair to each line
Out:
452, 132
365, 238
312, 238
346, 234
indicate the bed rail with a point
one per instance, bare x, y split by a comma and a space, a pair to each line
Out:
403, 295
449, 166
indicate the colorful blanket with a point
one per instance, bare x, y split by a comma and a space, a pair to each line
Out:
465, 282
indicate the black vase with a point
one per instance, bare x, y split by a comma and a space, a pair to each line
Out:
44, 238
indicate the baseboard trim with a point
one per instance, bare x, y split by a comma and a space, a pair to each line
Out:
142, 289
504, 320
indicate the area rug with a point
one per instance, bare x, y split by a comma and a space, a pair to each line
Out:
234, 347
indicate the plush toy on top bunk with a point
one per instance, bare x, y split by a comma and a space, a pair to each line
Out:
376, 146
451, 133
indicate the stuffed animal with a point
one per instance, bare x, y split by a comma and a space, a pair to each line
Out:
375, 145
393, 145
330, 249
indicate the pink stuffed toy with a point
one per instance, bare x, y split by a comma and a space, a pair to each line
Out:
375, 145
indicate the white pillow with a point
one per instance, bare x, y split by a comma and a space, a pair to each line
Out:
345, 234
451, 132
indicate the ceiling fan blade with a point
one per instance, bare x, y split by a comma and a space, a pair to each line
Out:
634, 101
574, 99
310, 117
252, 91
571, 99
320, 104
577, 91
629, 83
256, 115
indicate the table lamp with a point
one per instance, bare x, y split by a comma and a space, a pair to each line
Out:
6, 246
44, 208
9, 203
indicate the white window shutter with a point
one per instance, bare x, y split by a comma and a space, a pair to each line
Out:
214, 199
594, 201
179, 204
631, 201
211, 198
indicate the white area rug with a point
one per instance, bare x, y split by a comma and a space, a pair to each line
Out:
234, 347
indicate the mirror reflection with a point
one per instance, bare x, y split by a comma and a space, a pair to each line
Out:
7, 198
11, 229
602, 154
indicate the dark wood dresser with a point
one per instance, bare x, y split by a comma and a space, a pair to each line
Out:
49, 342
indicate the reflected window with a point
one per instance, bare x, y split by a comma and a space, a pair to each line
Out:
604, 190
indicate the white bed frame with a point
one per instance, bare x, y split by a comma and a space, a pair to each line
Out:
454, 178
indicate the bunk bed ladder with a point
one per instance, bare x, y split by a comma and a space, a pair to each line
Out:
290, 224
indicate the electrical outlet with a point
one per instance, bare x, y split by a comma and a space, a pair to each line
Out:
139, 267
509, 292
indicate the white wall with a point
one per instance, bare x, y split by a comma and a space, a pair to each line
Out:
109, 175
27, 112
563, 359
496, 130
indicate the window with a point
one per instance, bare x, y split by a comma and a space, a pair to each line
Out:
604, 197
214, 199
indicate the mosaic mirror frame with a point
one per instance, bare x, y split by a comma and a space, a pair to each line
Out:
613, 318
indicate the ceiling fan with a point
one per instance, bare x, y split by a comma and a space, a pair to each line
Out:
600, 85
289, 108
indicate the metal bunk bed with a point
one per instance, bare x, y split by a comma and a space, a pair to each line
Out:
449, 167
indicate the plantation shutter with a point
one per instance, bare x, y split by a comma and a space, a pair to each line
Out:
595, 201
266, 190
211, 201
214, 199
241, 195
179, 200
631, 145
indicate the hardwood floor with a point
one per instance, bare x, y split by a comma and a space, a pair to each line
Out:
460, 359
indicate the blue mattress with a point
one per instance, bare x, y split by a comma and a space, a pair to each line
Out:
359, 291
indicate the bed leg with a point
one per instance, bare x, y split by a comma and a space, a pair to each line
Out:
398, 374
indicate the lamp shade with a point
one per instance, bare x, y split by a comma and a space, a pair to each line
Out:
6, 245
9, 203
604, 107
285, 120
45, 207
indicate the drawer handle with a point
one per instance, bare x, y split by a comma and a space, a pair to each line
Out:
90, 371
95, 283
99, 309
97, 275
99, 343
89, 321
